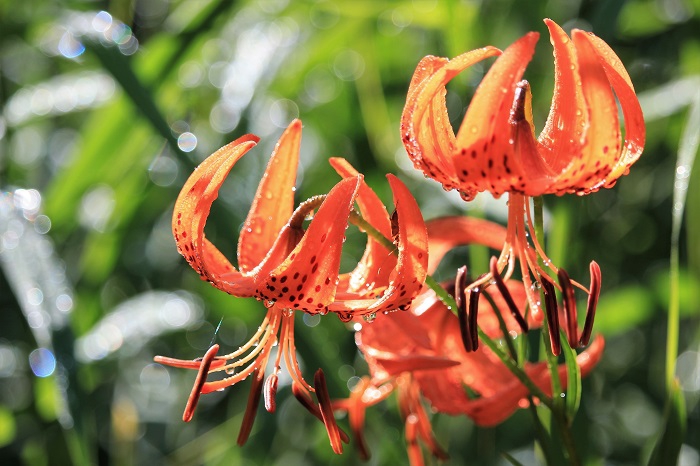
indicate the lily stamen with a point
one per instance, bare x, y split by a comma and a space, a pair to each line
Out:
304, 398
474, 296
251, 407
569, 308
199, 383
269, 392
552, 312
570, 314
596, 280
461, 300
326, 408
507, 297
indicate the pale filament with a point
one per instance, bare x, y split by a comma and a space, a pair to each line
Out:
289, 350
270, 332
254, 339
277, 320
261, 354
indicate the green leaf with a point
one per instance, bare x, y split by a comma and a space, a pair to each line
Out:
668, 445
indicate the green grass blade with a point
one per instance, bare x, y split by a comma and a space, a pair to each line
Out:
688, 148
668, 446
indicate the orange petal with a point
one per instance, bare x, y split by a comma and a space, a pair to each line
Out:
274, 200
377, 262
307, 279
429, 139
425, 125
485, 160
635, 131
602, 143
408, 333
561, 140
411, 268
192, 209
411, 363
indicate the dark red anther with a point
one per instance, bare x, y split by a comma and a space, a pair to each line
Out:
251, 408
303, 397
305, 400
199, 383
594, 293
461, 301
269, 392
507, 297
474, 296
552, 312
324, 402
567, 290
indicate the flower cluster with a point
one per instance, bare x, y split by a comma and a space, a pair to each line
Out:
431, 351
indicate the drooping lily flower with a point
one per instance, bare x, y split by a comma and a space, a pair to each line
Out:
420, 355
291, 268
579, 150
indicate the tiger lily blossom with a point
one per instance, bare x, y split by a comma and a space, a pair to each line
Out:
290, 267
580, 149
420, 355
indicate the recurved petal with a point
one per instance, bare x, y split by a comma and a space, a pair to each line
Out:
411, 268
274, 200
377, 262
602, 143
425, 125
417, 114
190, 215
307, 279
485, 160
562, 138
635, 131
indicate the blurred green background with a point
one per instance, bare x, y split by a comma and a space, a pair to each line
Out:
107, 106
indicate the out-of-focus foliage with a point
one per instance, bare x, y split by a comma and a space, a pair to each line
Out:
105, 108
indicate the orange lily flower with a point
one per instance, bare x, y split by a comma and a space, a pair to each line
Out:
580, 149
291, 268
421, 355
